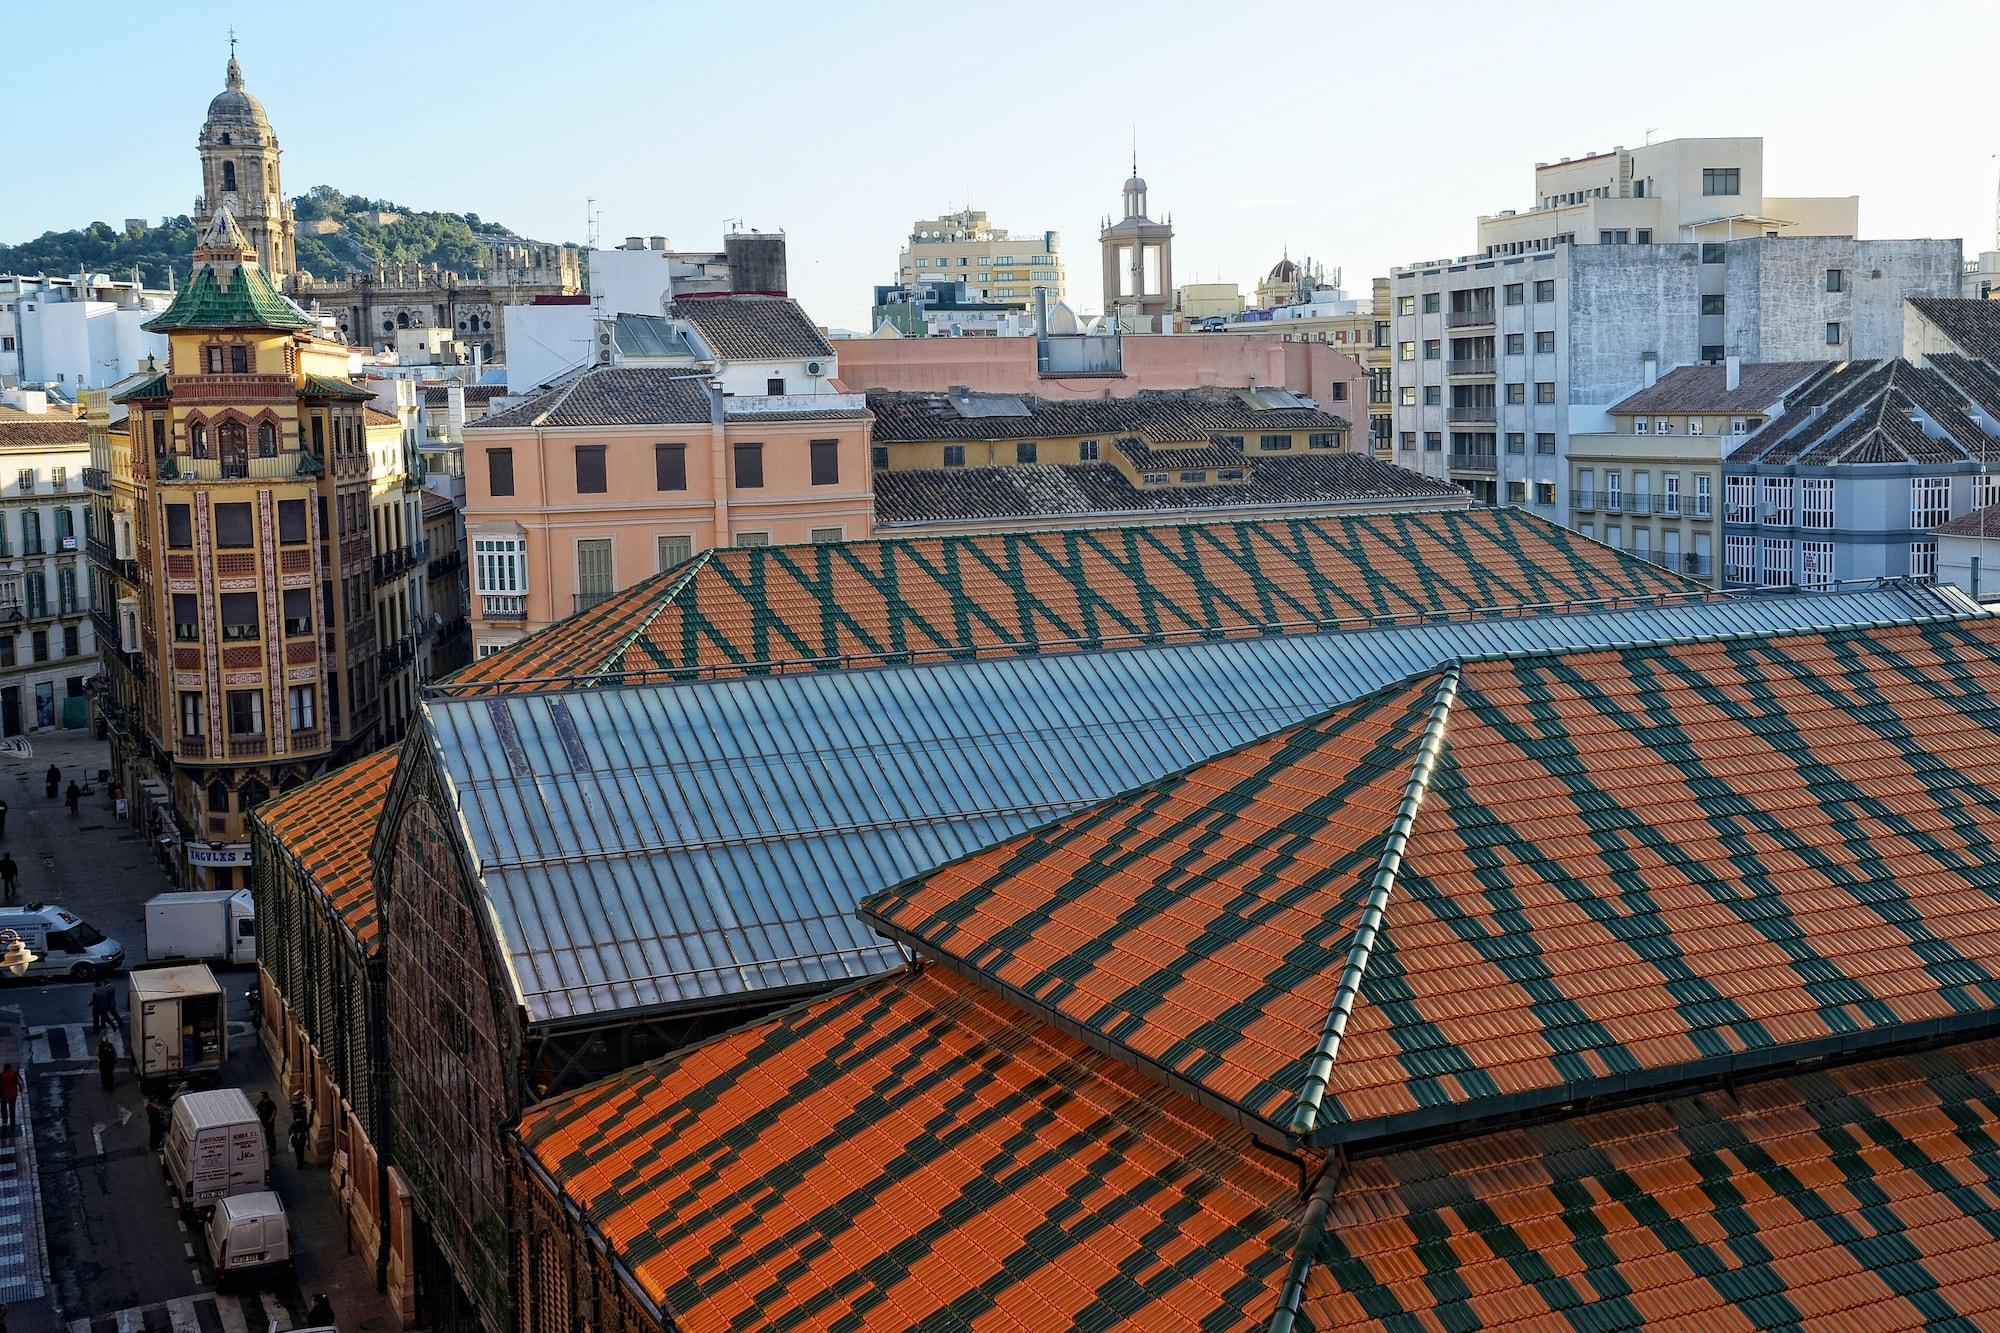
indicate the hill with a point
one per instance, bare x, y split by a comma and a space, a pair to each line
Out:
369, 231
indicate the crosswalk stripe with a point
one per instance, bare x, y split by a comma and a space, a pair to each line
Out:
62, 1043
237, 1312
181, 1314
232, 1316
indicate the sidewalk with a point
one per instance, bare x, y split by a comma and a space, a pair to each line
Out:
24, 1254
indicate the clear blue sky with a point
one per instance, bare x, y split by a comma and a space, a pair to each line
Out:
1363, 134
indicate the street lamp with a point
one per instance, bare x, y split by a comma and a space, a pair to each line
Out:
15, 955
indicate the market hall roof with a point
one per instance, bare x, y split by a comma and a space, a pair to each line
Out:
1804, 869
672, 846
835, 604
1157, 416
326, 827
1521, 881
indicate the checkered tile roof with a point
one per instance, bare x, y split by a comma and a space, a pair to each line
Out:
327, 826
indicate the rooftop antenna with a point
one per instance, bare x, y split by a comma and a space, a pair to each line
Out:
1651, 130
590, 216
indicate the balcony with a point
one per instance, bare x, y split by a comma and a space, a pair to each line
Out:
1480, 414
1464, 319
503, 608
1474, 462
107, 631
310, 739
97, 479
249, 747
397, 656
287, 464
394, 564
1471, 365
448, 563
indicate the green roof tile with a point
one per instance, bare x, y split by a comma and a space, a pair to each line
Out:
244, 300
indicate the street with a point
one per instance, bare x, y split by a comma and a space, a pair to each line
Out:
118, 1253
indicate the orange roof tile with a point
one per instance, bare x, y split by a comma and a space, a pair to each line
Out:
327, 826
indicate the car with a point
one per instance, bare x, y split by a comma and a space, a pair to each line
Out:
64, 944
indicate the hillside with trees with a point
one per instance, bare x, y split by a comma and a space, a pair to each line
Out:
369, 231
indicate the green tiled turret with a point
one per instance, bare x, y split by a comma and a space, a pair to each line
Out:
227, 290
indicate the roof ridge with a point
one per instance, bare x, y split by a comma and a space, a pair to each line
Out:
643, 623
1305, 1118
562, 395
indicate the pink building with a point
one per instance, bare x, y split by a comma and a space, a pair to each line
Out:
1149, 361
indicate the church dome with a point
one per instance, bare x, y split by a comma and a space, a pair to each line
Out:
234, 104
1283, 271
1135, 184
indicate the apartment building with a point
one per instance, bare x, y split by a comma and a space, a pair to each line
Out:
77, 332
994, 263
244, 650
48, 644
1650, 484
724, 430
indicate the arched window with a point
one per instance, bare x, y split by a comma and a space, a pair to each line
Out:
402, 319
225, 138
218, 797
198, 440
267, 441
233, 444
252, 794
229, 176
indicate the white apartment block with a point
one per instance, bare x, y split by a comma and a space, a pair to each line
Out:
48, 647
1631, 263
995, 264
75, 333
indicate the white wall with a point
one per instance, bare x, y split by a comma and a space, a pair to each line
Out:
630, 282
543, 341
87, 344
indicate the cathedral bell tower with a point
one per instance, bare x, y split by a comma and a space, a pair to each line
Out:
239, 171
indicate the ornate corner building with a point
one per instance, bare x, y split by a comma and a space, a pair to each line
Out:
238, 535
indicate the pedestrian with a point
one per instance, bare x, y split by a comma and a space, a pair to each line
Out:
107, 1061
103, 1007
10, 1093
9, 874
72, 796
3, 819
267, 1113
320, 1313
297, 1134
156, 1124
54, 781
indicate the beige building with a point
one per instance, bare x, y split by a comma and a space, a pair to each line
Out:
47, 647
995, 264
1678, 190
1650, 485
1210, 300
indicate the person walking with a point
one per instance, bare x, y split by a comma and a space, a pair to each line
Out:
10, 1093
103, 1007
10, 874
54, 781
107, 1061
156, 1124
267, 1114
320, 1313
3, 819
297, 1134
72, 797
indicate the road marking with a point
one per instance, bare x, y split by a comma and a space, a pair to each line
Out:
97, 1136
204, 1313
188, 1246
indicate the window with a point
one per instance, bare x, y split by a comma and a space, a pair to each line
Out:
825, 455
1517, 492
1274, 442
1024, 451
1614, 490
1545, 492
1739, 426
1339, 388
1704, 495
1642, 543
1670, 492
1406, 351
1088, 451
1923, 560
1816, 565
593, 571
1739, 559
1409, 395
291, 520
1516, 344
246, 712
1430, 303
1545, 392
1433, 349
1408, 443
1322, 440
1433, 441
1833, 333
1711, 305
1545, 340
1777, 568
1514, 293
1643, 235
187, 618
878, 456
1696, 425
828, 534
1712, 352
499, 469
239, 616
1406, 305
1517, 442
298, 611
1739, 500
38, 644
233, 529
1517, 393
1545, 290
954, 455
1711, 252
1930, 501
775, 386
301, 707
674, 549
590, 469
1721, 180
1545, 442
1433, 395
499, 566
749, 465
214, 360
753, 539
239, 360
191, 715
1642, 425
1663, 425
1816, 503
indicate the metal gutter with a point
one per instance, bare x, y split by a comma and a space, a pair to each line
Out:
1292, 1296
1320, 1068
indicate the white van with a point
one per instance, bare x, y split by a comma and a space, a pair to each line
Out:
215, 1148
247, 1236
63, 942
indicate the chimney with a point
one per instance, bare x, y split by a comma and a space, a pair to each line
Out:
1651, 364
1732, 372
1042, 330
454, 411
717, 415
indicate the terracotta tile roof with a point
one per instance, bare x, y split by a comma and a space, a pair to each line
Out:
1973, 325
912, 497
1876, 412
375, 416
1518, 881
439, 395
436, 505
744, 609
1860, 1197
1760, 386
753, 328
327, 825
1157, 416
42, 431
908, 1154
611, 396
1979, 523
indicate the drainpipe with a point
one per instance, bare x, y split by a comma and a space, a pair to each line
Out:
719, 460
1042, 330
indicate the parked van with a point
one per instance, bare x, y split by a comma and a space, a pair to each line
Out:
63, 942
179, 1024
216, 925
215, 1148
247, 1236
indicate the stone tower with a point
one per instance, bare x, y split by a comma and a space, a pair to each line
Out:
1138, 263
239, 171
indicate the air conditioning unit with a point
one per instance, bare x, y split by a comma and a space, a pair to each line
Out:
815, 367
604, 337
128, 625
604, 356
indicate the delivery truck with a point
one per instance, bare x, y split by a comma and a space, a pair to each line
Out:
218, 926
179, 1025
215, 1148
